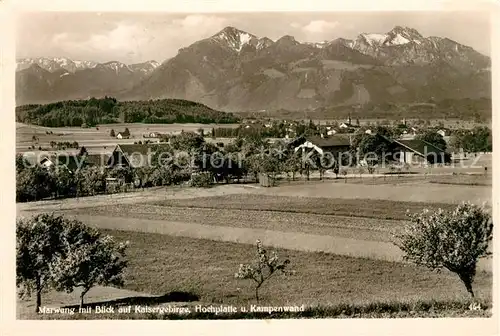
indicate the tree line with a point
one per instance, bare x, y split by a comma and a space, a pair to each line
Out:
478, 139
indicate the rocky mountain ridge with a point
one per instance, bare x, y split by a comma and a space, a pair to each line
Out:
234, 70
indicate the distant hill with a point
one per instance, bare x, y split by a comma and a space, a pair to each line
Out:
108, 110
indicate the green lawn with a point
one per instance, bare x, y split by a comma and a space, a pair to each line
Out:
338, 286
160, 264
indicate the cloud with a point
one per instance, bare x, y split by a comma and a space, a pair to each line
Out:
118, 40
200, 22
320, 26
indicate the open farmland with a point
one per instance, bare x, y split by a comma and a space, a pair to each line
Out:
98, 140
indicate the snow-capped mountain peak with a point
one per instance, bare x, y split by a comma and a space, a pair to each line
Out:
373, 39
117, 66
234, 38
264, 42
153, 63
397, 36
403, 35
55, 63
318, 45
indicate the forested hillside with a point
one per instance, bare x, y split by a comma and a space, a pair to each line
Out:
108, 110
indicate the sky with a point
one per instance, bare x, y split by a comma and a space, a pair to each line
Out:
138, 37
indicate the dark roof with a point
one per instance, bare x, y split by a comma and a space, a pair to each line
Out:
97, 159
419, 146
70, 161
330, 141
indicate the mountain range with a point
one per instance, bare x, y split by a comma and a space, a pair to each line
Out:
235, 70
42, 80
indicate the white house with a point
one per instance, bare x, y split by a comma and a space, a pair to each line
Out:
368, 131
46, 162
121, 135
442, 132
330, 131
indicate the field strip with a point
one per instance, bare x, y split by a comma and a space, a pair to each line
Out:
410, 193
156, 194
450, 194
288, 240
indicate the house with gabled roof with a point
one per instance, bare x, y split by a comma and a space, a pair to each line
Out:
416, 151
333, 144
122, 135
136, 155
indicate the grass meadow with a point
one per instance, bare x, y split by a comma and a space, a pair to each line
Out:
331, 285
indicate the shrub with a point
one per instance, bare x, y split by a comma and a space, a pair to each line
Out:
202, 180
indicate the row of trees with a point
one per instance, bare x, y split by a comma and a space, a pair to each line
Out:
479, 139
37, 183
64, 144
108, 110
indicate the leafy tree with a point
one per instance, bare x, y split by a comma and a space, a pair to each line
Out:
21, 163
187, 141
263, 268
455, 240
88, 259
91, 181
65, 181
372, 144
433, 138
34, 184
293, 164
112, 133
38, 240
